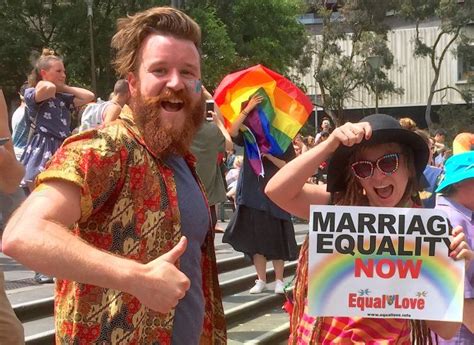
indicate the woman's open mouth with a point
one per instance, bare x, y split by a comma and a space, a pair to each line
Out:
384, 192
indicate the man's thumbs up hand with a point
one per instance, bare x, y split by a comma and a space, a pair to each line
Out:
161, 284
174, 254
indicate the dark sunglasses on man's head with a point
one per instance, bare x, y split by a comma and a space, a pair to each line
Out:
387, 164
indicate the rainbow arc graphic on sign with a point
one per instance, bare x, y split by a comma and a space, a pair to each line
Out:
273, 124
334, 269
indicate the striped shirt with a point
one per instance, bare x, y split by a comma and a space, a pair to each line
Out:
354, 330
358, 330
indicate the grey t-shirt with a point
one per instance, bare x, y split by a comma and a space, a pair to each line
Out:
189, 315
207, 144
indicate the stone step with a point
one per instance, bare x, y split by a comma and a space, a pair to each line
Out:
250, 318
238, 303
271, 326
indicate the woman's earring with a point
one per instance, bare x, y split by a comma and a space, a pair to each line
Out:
364, 192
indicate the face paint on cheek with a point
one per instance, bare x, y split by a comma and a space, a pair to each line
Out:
194, 86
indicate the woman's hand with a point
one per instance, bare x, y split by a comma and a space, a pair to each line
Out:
254, 101
459, 247
349, 134
279, 163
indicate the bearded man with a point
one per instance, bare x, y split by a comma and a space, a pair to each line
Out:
120, 217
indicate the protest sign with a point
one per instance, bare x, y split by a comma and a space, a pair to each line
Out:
383, 262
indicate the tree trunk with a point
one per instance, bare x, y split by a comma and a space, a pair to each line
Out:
428, 120
177, 3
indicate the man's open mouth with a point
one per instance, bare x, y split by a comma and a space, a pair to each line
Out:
172, 105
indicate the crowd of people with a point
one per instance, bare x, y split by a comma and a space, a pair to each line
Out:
123, 212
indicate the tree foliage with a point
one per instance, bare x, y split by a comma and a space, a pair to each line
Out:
268, 32
218, 50
453, 16
236, 34
339, 73
28, 26
456, 118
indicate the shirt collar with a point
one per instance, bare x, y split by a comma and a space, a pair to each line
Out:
445, 201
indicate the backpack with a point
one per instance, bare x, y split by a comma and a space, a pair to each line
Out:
92, 115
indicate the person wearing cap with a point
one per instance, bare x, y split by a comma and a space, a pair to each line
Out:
375, 163
456, 199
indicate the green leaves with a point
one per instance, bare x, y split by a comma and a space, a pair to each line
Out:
453, 17
236, 34
339, 72
218, 50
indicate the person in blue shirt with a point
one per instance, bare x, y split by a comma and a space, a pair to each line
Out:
456, 199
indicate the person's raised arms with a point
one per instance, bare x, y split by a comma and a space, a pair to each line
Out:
219, 121
81, 96
252, 103
44, 90
279, 163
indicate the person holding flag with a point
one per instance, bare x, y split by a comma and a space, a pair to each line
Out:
259, 228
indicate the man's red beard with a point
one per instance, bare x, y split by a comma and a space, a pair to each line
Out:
162, 137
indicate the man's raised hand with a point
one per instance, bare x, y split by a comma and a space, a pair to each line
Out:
160, 285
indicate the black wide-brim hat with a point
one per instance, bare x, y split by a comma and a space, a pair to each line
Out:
385, 129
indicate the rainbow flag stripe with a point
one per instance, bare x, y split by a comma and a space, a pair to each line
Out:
275, 122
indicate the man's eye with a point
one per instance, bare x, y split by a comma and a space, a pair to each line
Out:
160, 71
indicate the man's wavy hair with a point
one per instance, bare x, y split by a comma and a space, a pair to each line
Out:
132, 30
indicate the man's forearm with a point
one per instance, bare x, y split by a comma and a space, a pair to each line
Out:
50, 248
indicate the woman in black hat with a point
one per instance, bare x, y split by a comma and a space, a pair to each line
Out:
372, 163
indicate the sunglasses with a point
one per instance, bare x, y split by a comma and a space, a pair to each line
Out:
387, 164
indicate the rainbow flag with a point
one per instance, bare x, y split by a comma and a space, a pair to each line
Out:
273, 124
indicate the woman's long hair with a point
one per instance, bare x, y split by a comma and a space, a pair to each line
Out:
43, 63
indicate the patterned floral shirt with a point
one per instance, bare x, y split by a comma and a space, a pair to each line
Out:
128, 208
52, 117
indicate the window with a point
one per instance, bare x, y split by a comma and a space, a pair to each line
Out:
466, 62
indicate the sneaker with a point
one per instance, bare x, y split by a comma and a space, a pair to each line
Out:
43, 279
260, 285
279, 287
